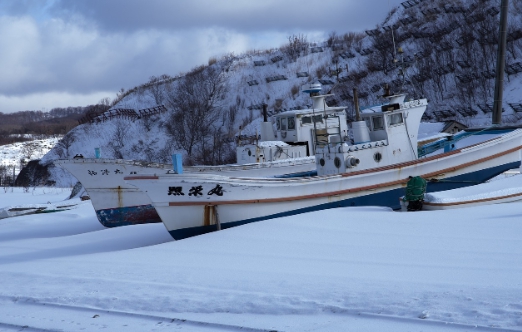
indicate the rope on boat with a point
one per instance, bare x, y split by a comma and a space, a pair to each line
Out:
452, 181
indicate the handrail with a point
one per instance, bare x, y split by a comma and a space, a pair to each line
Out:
446, 142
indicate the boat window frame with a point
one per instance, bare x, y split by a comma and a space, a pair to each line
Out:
392, 119
284, 123
291, 123
318, 118
306, 120
380, 125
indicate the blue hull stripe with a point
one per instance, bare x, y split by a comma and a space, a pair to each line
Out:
129, 215
389, 198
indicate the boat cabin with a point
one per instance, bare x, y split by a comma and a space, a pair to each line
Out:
300, 127
386, 135
298, 132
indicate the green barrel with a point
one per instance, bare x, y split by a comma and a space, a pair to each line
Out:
415, 189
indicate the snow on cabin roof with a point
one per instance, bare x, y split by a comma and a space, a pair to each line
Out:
311, 111
271, 143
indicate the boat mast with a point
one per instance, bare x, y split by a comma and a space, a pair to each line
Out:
356, 105
501, 63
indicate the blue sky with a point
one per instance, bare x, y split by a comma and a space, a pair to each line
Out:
59, 53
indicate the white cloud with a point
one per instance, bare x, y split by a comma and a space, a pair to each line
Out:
49, 100
79, 48
19, 39
59, 64
61, 56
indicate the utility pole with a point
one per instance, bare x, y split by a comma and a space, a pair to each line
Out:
501, 64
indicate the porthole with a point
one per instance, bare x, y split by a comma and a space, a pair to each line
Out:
337, 162
249, 153
377, 156
321, 162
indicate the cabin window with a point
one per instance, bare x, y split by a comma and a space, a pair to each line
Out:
394, 119
291, 124
278, 122
318, 118
283, 124
378, 122
306, 120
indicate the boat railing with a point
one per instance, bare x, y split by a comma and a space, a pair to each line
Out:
448, 143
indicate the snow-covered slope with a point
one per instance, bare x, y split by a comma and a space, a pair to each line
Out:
11, 154
14, 156
448, 54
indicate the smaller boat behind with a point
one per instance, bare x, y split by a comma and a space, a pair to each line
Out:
507, 189
22, 210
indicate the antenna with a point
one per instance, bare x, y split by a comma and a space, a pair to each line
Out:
393, 39
394, 47
412, 82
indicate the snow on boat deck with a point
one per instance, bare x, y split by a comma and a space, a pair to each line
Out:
505, 188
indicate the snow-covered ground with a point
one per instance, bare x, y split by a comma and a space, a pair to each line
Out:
346, 269
10, 154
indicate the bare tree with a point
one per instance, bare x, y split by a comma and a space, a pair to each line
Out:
231, 117
28, 149
333, 38
65, 144
105, 101
197, 107
156, 88
297, 44
119, 138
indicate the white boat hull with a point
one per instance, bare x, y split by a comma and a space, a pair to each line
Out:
191, 204
118, 204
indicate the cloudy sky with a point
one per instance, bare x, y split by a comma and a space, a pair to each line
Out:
59, 53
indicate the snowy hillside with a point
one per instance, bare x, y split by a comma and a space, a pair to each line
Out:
12, 156
440, 50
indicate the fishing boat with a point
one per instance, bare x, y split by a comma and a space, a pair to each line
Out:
119, 204
287, 152
371, 170
22, 210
